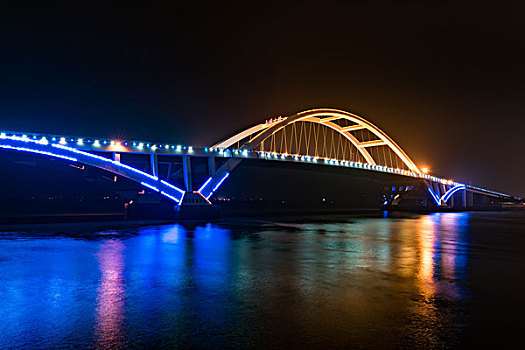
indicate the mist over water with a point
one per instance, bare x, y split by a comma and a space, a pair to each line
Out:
425, 281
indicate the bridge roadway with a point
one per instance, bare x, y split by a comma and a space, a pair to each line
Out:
106, 154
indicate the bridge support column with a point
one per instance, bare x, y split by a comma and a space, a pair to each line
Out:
211, 166
186, 167
470, 199
464, 197
436, 189
116, 157
154, 163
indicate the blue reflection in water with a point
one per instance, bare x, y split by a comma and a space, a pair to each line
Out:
46, 293
157, 276
211, 257
211, 271
444, 252
226, 285
109, 318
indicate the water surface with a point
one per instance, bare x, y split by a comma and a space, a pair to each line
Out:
424, 281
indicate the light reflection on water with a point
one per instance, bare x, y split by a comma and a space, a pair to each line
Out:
443, 247
383, 281
110, 295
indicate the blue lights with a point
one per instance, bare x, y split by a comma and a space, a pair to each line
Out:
170, 197
43, 147
453, 190
26, 140
171, 186
204, 186
133, 169
436, 199
113, 162
122, 166
150, 186
182, 198
443, 200
164, 193
220, 182
24, 149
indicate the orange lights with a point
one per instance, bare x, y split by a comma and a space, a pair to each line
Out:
424, 170
200, 194
117, 146
328, 118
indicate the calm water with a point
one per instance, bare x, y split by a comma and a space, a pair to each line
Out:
425, 281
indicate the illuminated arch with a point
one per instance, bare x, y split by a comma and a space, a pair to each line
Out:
74, 155
328, 118
450, 193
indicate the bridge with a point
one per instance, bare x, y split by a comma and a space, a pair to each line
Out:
319, 137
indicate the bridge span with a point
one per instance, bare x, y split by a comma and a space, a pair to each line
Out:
319, 139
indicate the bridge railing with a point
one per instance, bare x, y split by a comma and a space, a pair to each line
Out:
127, 146
379, 168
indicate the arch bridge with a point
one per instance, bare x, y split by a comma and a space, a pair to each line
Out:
323, 137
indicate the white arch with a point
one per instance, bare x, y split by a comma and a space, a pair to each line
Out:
324, 116
243, 134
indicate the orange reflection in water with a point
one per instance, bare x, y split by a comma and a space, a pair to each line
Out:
426, 234
438, 249
109, 316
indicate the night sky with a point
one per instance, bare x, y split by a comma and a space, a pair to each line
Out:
446, 82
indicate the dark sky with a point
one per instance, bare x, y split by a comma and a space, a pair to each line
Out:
445, 81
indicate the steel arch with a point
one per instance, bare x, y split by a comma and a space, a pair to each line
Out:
324, 116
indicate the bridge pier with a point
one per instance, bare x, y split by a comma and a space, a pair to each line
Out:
154, 164
211, 166
186, 168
